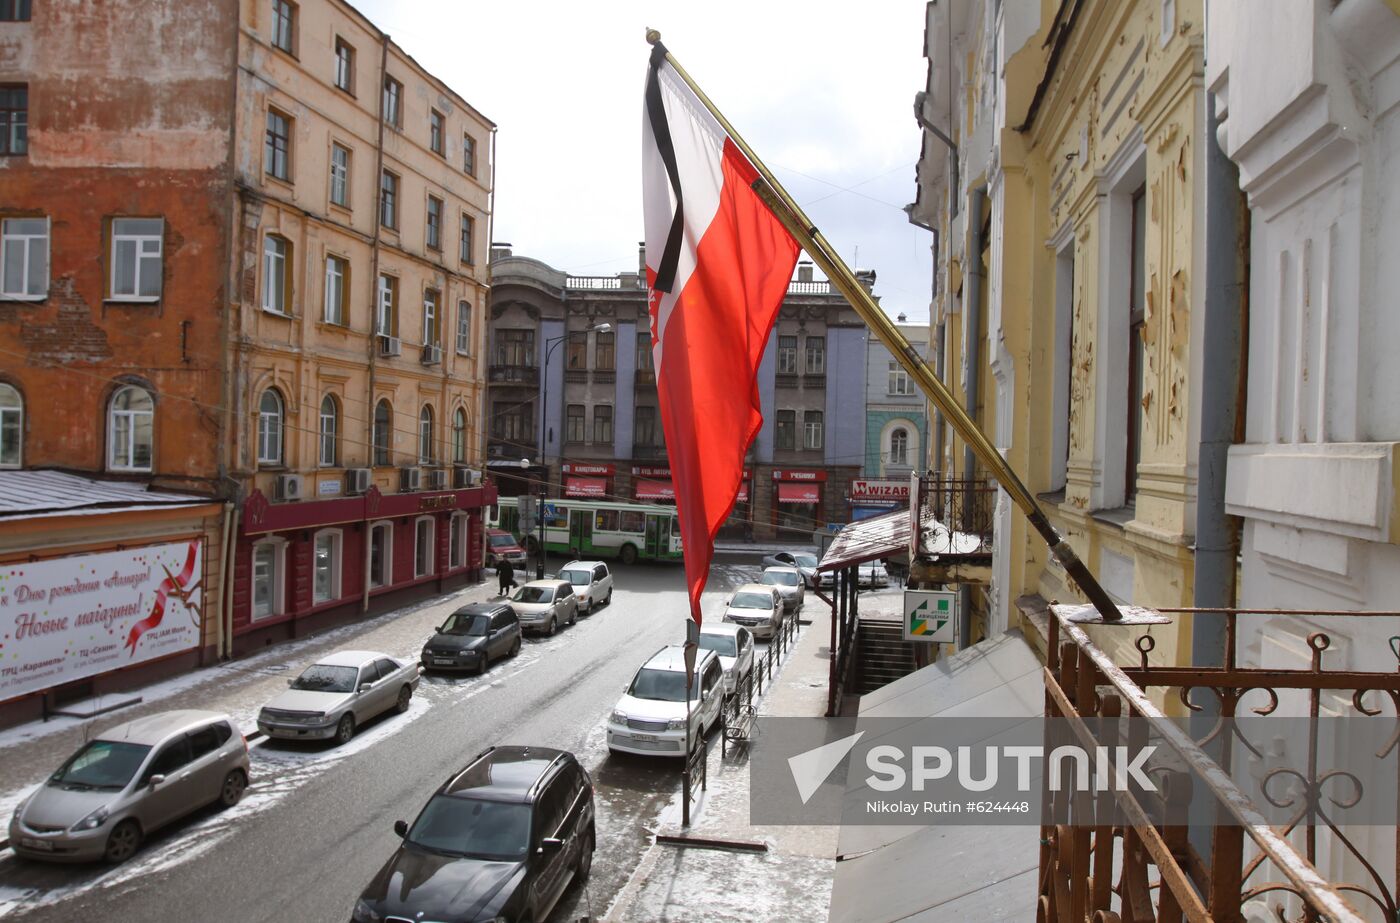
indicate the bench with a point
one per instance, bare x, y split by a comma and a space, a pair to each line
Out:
738, 727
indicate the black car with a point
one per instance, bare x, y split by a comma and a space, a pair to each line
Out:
472, 637
500, 840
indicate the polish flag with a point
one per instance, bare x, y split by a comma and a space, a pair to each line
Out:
718, 267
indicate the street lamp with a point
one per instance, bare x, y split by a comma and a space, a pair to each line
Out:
549, 347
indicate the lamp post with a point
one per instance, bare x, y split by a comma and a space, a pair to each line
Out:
549, 347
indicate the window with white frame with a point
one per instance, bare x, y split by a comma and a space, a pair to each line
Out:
268, 561
270, 428
386, 322
329, 433
464, 327
24, 256
812, 431
423, 546
130, 430
136, 258
431, 298
457, 544
787, 355
340, 175
277, 252
381, 554
425, 435
336, 290
11, 426
899, 446
898, 380
816, 355
459, 436
325, 566
344, 65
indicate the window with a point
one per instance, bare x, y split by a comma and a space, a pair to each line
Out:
340, 176
604, 350
277, 146
578, 353
464, 327
425, 435
423, 547
389, 200
267, 579
459, 436
393, 98
344, 65
325, 575
381, 554
785, 432
511, 422
277, 252
816, 356
1136, 317
574, 420
812, 429
386, 321
787, 355
457, 550
270, 428
24, 253
129, 430
204, 741
284, 25
469, 155
515, 347
898, 380
14, 10
136, 258
899, 447
602, 424
644, 357
336, 270
329, 432
605, 520
437, 139
11, 426
14, 121
464, 252
434, 223
431, 331
644, 426
383, 429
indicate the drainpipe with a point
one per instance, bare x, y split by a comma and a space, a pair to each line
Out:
374, 298
226, 578
231, 516
972, 314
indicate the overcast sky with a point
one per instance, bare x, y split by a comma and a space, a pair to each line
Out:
823, 92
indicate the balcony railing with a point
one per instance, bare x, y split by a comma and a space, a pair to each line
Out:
1225, 859
963, 505
595, 283
514, 374
809, 288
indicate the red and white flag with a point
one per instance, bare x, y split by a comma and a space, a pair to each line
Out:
718, 266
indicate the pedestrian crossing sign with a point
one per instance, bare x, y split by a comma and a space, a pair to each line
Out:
931, 615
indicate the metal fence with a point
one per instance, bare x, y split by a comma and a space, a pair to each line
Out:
962, 504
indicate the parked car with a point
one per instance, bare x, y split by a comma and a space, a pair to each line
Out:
502, 545
733, 645
336, 694
650, 717
789, 583
501, 840
592, 583
543, 605
472, 637
757, 607
873, 574
806, 563
130, 781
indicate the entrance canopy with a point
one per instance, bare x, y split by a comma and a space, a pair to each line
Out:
586, 487
798, 492
655, 490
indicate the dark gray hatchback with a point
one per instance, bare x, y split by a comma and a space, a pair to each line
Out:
472, 637
500, 840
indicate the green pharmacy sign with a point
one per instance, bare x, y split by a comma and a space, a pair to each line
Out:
931, 615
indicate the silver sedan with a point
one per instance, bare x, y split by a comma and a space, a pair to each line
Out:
335, 695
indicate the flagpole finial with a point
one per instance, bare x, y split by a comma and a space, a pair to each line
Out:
653, 36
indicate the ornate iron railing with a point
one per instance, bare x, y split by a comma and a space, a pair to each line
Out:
966, 505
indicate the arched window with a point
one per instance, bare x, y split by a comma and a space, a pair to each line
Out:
459, 436
383, 427
12, 426
425, 435
899, 447
130, 424
329, 432
270, 428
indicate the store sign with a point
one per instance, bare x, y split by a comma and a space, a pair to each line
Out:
931, 615
650, 471
69, 618
437, 502
328, 488
596, 470
788, 474
879, 490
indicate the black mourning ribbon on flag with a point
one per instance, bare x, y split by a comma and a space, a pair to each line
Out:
656, 114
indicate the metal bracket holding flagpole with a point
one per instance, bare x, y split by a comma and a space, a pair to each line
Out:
790, 214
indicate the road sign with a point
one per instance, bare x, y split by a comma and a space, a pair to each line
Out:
931, 615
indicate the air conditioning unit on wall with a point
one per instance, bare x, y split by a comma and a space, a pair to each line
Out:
288, 487
410, 479
357, 480
388, 346
465, 477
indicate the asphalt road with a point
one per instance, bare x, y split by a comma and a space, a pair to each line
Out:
318, 822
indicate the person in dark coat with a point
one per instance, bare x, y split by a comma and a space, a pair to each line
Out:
506, 572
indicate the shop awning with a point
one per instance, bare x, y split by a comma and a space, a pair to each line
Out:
743, 493
790, 492
585, 487
655, 490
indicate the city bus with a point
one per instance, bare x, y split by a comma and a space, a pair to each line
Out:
597, 529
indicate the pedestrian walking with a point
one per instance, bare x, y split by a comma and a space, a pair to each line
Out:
506, 572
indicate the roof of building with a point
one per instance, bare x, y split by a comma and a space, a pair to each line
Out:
888, 534
30, 492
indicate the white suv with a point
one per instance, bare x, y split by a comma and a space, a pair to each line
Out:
592, 583
650, 716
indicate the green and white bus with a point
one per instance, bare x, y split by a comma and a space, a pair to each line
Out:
596, 529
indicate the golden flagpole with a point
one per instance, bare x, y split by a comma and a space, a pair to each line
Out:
787, 211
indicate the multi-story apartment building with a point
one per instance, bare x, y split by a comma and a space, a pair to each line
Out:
573, 395
896, 427
241, 311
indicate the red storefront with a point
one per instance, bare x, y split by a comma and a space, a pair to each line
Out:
797, 500
652, 484
299, 567
590, 480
